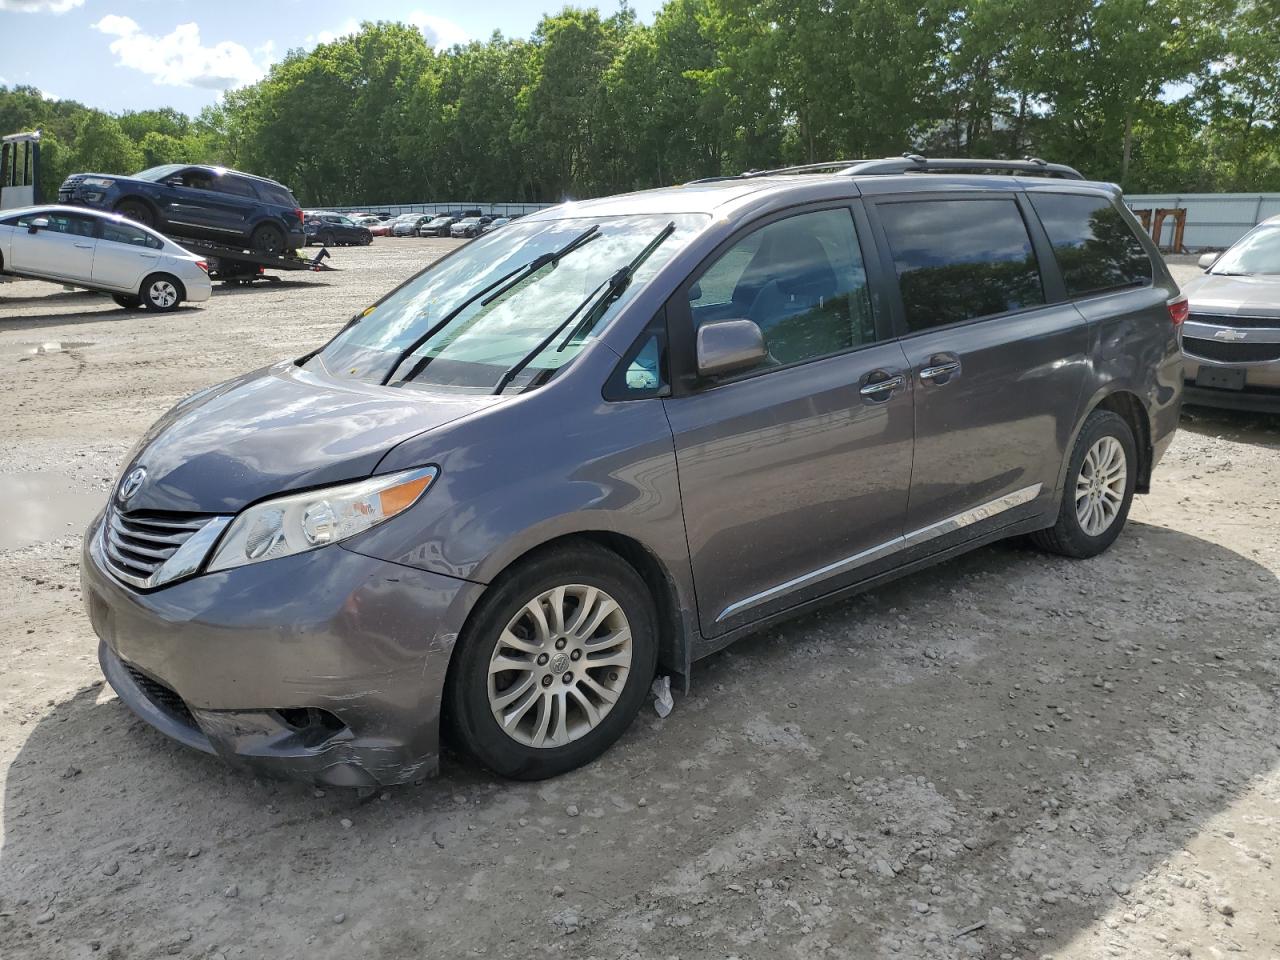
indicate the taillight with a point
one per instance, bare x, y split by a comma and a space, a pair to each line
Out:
1179, 310
202, 265
302, 217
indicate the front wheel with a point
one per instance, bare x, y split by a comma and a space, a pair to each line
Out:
554, 665
1098, 491
126, 301
161, 292
137, 211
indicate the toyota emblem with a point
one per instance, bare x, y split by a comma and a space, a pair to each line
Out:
131, 484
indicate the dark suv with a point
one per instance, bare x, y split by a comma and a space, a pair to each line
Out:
615, 435
199, 202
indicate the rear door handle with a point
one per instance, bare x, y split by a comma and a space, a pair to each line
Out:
84, 246
940, 368
878, 388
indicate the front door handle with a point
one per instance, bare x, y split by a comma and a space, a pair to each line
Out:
84, 246
879, 388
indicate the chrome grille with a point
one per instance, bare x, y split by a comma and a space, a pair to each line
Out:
1222, 320
1230, 352
139, 546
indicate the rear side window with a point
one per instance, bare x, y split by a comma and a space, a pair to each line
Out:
123, 233
228, 183
1095, 247
961, 259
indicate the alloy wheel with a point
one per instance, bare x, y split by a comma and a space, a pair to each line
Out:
559, 666
162, 293
1100, 486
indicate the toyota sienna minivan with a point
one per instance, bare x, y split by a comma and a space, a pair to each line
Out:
610, 438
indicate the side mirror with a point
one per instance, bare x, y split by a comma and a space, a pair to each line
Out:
727, 346
1207, 260
39, 223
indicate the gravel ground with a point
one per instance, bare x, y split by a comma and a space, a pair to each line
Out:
1008, 756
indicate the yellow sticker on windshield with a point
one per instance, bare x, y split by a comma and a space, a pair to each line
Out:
367, 311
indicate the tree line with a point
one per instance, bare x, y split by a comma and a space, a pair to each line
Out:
1157, 95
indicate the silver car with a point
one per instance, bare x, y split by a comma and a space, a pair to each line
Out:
1232, 337
101, 251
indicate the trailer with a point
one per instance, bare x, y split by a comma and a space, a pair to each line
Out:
234, 266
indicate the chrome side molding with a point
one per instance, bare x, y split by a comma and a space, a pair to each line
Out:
969, 517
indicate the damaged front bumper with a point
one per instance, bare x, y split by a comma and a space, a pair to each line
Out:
326, 666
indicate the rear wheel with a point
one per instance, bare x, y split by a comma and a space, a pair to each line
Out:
554, 665
326, 239
268, 239
126, 301
161, 293
137, 211
1099, 489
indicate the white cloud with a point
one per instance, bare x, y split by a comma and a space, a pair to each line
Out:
438, 31
350, 26
40, 6
179, 59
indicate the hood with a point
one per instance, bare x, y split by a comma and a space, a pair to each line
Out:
280, 429
1257, 296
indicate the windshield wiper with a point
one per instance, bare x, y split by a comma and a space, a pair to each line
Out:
590, 308
494, 290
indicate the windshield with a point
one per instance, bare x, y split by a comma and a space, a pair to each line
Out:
159, 173
477, 348
1257, 252
438, 221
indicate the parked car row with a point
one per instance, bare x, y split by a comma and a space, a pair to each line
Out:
335, 229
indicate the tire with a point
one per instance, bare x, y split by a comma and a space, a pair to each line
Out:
1095, 499
126, 301
267, 238
590, 574
161, 293
326, 240
137, 211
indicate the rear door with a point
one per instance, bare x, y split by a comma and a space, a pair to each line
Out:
996, 354
63, 250
125, 255
793, 475
195, 208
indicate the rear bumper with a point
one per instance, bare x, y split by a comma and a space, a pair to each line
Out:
326, 666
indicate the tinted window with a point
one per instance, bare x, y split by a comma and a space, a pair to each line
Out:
960, 259
58, 222
274, 193
1095, 247
234, 186
801, 280
123, 233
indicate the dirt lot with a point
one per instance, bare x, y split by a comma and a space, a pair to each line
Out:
1010, 756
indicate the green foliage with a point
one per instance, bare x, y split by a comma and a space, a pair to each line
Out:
1155, 94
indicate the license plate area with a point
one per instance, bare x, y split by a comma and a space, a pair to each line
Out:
1220, 378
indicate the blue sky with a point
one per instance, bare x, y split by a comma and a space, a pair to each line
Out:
135, 54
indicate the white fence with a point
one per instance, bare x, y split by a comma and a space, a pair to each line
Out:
1214, 220
445, 206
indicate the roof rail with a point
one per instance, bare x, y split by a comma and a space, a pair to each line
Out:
914, 163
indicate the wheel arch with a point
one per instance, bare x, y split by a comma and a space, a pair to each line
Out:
1128, 406
674, 647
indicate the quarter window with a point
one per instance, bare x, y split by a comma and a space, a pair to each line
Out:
1095, 247
960, 259
801, 280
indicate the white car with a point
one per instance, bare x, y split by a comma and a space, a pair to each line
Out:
101, 251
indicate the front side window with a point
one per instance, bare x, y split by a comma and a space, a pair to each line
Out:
801, 280
1257, 252
1095, 247
461, 327
960, 259
58, 222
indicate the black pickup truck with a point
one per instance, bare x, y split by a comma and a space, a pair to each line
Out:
197, 201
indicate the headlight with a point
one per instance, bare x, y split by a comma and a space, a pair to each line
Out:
304, 521
96, 182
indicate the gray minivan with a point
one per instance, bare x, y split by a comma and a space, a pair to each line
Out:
614, 436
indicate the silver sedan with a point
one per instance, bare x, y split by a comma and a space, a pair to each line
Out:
101, 251
1231, 339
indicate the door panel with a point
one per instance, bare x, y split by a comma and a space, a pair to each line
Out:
794, 476
63, 250
997, 369
786, 474
1001, 422
125, 255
